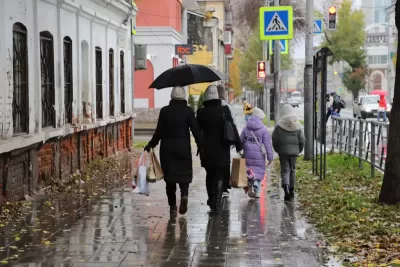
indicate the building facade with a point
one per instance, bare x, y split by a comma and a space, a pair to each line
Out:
66, 87
159, 25
162, 24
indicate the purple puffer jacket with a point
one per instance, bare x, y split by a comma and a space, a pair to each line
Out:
252, 151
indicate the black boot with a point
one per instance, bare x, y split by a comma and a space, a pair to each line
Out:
287, 192
173, 209
291, 193
184, 205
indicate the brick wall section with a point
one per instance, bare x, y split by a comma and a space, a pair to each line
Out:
24, 171
46, 162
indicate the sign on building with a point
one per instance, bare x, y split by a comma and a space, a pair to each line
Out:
183, 49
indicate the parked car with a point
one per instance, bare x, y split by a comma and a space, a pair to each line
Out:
295, 99
366, 106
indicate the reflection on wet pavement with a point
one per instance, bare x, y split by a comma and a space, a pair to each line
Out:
123, 229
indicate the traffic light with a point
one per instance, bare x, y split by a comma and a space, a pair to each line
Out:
261, 69
332, 18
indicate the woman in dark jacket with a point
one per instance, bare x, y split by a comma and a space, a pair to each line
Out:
173, 126
215, 153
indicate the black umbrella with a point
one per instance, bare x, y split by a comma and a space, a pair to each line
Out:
185, 75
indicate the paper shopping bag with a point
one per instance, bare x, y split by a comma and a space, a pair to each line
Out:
238, 174
155, 172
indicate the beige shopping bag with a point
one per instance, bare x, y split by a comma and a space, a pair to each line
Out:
238, 174
155, 172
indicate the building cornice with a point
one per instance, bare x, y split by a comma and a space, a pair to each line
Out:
158, 31
51, 2
68, 5
86, 13
100, 19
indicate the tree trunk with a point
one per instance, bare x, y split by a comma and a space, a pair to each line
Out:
390, 191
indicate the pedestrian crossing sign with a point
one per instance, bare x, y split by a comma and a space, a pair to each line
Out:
284, 46
276, 23
317, 28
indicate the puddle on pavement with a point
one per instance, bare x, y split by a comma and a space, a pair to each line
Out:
34, 232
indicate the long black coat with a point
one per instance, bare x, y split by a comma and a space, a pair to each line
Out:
216, 152
173, 126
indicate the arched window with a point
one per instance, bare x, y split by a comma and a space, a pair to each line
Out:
20, 104
99, 83
47, 78
122, 82
111, 81
68, 82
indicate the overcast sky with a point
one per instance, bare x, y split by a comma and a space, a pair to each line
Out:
299, 50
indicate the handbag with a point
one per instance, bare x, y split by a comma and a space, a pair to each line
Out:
262, 147
229, 132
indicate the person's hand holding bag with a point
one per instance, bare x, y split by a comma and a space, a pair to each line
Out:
147, 148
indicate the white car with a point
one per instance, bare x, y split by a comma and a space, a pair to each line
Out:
295, 99
366, 106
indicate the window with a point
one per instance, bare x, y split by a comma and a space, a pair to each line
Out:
122, 81
111, 81
68, 90
20, 104
47, 79
99, 84
377, 81
377, 59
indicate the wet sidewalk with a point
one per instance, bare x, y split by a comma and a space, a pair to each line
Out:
124, 229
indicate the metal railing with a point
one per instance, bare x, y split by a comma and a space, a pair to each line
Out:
365, 140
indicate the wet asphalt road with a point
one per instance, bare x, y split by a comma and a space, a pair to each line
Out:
125, 229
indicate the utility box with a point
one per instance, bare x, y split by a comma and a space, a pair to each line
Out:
140, 57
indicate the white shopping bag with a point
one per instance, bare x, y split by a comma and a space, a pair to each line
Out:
139, 183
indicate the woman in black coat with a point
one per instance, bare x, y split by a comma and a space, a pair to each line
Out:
215, 153
173, 126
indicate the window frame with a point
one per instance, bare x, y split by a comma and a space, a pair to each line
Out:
20, 105
122, 81
99, 82
68, 81
111, 79
48, 81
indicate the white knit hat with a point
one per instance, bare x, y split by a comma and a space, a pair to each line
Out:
178, 93
287, 110
258, 113
211, 93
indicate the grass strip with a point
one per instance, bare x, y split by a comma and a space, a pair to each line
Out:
345, 208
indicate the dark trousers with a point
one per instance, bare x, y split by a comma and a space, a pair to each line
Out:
288, 170
215, 182
227, 178
171, 190
328, 114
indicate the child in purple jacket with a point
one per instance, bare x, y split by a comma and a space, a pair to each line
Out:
257, 148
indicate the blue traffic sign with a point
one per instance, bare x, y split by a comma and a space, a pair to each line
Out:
276, 23
284, 46
317, 28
